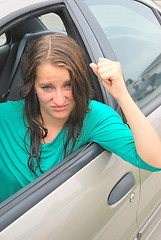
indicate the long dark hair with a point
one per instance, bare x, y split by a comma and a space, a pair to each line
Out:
62, 51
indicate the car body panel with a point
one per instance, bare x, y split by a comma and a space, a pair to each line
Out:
80, 204
150, 191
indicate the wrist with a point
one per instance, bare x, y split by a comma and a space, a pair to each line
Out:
123, 98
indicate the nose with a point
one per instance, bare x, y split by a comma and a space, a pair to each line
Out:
59, 97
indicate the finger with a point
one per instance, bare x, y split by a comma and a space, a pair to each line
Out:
107, 83
106, 60
107, 78
94, 68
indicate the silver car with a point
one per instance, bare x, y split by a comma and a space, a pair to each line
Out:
92, 194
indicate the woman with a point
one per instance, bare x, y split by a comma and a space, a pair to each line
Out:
57, 115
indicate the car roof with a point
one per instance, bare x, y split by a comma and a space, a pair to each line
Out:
9, 8
10, 11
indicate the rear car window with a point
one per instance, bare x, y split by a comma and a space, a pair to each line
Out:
52, 22
3, 39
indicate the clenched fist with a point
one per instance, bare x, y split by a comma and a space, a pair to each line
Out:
110, 74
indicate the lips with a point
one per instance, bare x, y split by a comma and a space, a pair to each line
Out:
59, 108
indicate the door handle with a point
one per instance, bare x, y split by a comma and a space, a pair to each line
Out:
121, 188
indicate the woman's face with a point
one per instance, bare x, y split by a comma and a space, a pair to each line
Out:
54, 92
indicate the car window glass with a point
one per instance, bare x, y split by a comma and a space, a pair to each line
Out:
2, 39
135, 36
52, 22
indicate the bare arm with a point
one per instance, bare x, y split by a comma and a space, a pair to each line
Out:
147, 142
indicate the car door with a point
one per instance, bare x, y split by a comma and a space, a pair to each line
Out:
134, 32
92, 194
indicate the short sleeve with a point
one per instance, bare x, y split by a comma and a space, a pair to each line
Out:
108, 130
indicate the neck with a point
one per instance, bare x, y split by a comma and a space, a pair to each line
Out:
51, 129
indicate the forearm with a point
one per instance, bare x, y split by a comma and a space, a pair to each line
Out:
148, 144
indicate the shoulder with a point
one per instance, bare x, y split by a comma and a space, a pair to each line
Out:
100, 115
95, 104
101, 110
11, 108
12, 104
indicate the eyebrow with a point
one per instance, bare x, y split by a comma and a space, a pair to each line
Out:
44, 84
51, 83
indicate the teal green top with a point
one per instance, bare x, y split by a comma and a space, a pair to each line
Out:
101, 125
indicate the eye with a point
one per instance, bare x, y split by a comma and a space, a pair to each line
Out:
46, 88
68, 85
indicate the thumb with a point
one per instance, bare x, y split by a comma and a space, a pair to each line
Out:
94, 68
